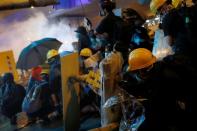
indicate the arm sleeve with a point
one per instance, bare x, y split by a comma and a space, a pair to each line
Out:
167, 24
101, 27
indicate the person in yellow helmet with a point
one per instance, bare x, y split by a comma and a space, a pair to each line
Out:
86, 52
53, 59
151, 80
37, 102
45, 72
140, 58
51, 55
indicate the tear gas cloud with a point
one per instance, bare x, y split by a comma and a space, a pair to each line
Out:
18, 34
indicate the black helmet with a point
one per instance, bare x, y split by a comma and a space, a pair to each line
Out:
131, 13
81, 30
132, 16
107, 4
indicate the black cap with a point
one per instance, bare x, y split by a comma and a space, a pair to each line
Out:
81, 30
107, 4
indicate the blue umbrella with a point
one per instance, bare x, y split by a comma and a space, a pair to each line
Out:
35, 53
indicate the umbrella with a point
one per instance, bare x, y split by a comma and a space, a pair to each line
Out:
35, 53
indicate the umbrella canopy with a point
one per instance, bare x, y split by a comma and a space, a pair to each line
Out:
35, 54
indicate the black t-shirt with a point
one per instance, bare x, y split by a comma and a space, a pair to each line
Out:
182, 33
55, 77
159, 88
84, 42
108, 25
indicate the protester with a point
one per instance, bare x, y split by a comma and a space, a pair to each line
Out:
32, 102
180, 28
89, 100
83, 38
118, 55
131, 19
12, 97
156, 84
84, 54
110, 26
37, 102
53, 59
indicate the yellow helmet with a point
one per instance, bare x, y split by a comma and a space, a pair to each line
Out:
51, 54
140, 58
155, 4
86, 52
45, 71
176, 3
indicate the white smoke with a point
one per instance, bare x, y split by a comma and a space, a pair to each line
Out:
19, 34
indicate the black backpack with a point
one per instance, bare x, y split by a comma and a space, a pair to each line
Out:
13, 96
32, 101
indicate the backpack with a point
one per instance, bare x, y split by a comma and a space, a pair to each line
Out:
32, 101
12, 97
9, 95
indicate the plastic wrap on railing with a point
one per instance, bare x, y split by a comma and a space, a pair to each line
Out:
160, 48
132, 111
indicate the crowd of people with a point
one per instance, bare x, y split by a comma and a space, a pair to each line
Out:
167, 86
41, 97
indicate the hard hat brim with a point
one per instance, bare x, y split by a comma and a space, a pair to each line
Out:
152, 61
48, 60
